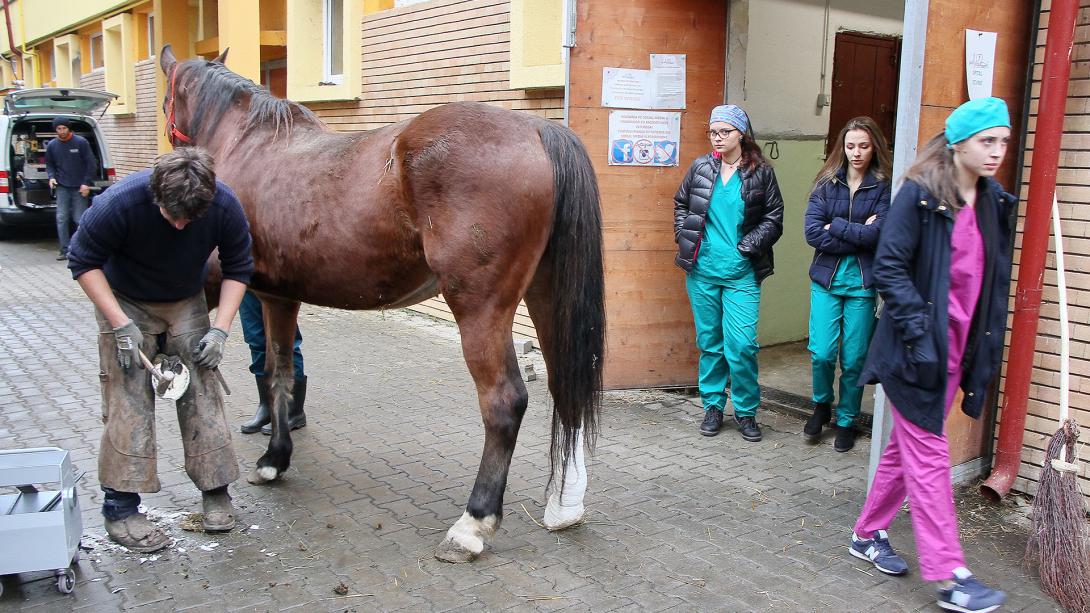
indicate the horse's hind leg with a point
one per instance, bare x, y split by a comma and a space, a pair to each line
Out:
280, 317
488, 351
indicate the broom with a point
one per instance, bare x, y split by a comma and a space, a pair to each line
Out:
1058, 543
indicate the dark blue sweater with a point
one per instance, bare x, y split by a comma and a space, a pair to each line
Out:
71, 163
146, 258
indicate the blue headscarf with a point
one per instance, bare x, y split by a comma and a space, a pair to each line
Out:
732, 114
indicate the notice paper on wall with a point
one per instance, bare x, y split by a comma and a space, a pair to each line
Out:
979, 62
662, 87
644, 138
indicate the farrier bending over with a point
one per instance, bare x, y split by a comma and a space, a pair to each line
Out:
141, 256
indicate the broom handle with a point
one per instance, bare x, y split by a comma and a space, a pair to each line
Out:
1065, 340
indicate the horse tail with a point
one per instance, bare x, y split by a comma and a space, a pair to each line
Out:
577, 288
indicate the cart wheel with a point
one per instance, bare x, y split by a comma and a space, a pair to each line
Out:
66, 581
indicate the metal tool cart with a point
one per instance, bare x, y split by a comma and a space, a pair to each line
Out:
39, 528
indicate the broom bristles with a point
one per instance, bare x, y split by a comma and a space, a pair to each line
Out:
1058, 544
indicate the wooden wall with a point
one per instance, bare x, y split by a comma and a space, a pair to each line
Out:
1074, 196
944, 89
132, 139
650, 337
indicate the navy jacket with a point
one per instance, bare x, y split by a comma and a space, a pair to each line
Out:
71, 163
912, 273
144, 257
848, 234
762, 223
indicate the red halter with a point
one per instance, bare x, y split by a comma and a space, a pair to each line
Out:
172, 129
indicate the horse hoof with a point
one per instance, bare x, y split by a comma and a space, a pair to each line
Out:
558, 517
263, 474
450, 551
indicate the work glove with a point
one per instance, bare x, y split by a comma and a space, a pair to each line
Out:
209, 350
129, 338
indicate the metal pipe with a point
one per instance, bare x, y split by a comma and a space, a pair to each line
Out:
11, 39
1031, 266
567, 44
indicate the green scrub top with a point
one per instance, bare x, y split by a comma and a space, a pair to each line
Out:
719, 259
848, 279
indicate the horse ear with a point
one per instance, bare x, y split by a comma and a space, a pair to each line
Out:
222, 57
167, 61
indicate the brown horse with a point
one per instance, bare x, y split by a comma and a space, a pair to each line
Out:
487, 206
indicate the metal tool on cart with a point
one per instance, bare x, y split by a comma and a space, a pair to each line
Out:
40, 529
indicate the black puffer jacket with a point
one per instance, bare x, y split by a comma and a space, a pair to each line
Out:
762, 224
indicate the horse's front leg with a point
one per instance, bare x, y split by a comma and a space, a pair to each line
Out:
280, 318
502, 396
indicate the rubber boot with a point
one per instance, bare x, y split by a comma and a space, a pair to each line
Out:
261, 417
296, 417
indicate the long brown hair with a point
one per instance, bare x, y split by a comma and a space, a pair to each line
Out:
934, 170
881, 163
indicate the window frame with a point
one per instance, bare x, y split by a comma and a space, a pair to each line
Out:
327, 43
102, 51
151, 35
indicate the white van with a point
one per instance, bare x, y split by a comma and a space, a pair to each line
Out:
26, 126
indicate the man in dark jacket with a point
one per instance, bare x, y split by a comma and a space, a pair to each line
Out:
141, 257
71, 167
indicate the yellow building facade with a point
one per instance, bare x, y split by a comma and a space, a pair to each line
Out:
311, 51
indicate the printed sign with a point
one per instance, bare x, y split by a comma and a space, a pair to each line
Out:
644, 138
979, 62
626, 88
668, 74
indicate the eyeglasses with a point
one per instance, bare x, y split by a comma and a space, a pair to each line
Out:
720, 133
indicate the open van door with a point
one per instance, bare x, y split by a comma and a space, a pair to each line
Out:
57, 101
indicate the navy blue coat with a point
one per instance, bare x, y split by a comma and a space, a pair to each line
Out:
908, 352
832, 203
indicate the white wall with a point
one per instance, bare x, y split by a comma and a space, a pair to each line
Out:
783, 58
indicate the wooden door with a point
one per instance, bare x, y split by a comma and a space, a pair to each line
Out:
865, 71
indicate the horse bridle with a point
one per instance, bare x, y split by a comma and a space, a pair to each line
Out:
172, 129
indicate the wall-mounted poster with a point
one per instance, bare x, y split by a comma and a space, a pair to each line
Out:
979, 62
644, 138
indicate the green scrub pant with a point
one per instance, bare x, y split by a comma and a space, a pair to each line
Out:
725, 315
839, 324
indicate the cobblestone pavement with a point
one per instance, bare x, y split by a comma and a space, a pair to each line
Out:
676, 520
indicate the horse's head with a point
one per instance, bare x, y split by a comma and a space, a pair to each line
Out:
177, 105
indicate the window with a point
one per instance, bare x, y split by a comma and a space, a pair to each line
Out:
97, 58
333, 41
53, 65
151, 35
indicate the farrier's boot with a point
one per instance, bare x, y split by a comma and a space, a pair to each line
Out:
261, 417
219, 513
296, 417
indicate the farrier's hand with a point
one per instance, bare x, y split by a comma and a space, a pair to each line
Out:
84, 190
209, 351
129, 338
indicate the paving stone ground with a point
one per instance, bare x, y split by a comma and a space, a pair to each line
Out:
676, 521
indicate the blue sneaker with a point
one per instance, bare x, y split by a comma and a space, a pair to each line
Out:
879, 552
969, 595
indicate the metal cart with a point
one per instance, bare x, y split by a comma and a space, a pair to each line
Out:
39, 528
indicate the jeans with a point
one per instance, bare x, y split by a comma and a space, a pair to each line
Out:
70, 208
253, 331
119, 505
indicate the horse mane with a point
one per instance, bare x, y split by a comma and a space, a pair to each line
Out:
218, 89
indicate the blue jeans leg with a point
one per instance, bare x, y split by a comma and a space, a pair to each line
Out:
119, 505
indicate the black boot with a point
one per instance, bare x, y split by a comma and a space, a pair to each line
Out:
713, 421
296, 417
261, 417
845, 438
817, 421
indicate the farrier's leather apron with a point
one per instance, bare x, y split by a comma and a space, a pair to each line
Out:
127, 458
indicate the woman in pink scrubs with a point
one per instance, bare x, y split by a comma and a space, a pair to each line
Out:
943, 271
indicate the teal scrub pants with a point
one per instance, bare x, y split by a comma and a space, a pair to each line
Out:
840, 323
725, 314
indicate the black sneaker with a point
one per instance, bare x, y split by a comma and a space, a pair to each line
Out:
817, 421
845, 438
713, 421
748, 427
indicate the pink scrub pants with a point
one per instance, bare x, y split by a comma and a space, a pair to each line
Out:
916, 464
